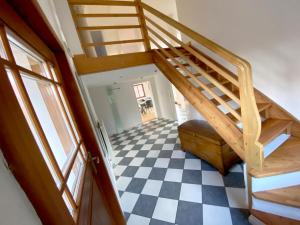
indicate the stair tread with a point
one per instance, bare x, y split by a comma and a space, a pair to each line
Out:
210, 73
271, 128
260, 106
224, 97
183, 64
289, 196
209, 85
285, 159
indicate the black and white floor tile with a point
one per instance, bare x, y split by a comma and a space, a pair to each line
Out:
159, 184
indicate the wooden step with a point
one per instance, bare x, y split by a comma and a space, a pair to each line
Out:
271, 219
263, 106
272, 128
209, 85
260, 106
224, 97
184, 64
285, 159
211, 74
289, 196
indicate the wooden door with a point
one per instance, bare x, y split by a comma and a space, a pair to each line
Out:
51, 150
93, 207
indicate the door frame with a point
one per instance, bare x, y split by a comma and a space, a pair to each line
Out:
27, 20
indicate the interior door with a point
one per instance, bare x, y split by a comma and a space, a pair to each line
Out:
93, 208
40, 137
180, 106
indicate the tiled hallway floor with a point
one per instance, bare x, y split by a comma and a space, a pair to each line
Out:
159, 184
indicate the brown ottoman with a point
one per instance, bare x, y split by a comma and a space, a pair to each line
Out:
199, 138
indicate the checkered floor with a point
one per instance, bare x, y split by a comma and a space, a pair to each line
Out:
159, 184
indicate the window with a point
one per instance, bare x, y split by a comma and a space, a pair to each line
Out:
139, 90
36, 85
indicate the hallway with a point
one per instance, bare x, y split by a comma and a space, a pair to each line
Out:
159, 184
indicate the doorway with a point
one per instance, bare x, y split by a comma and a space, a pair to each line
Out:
180, 106
144, 97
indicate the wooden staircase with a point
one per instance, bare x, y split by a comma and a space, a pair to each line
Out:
263, 134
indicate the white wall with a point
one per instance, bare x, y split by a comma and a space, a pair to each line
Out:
266, 33
125, 107
15, 208
125, 103
101, 105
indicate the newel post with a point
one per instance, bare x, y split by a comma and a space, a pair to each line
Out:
250, 118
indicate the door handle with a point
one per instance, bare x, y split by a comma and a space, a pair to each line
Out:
93, 160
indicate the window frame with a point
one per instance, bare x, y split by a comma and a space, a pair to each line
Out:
16, 70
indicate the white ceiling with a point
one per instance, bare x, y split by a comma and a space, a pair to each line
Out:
138, 73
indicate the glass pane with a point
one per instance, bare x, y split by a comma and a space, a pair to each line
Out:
53, 72
32, 127
141, 90
76, 175
51, 117
68, 113
27, 59
2, 51
69, 205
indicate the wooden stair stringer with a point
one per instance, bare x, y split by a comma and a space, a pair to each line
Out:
219, 121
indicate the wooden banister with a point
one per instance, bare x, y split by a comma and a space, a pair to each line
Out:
102, 2
249, 112
142, 22
198, 69
112, 42
195, 79
108, 27
214, 47
195, 53
215, 82
100, 15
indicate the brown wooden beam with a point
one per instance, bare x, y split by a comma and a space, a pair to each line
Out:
102, 2
87, 15
142, 23
112, 42
86, 65
109, 27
